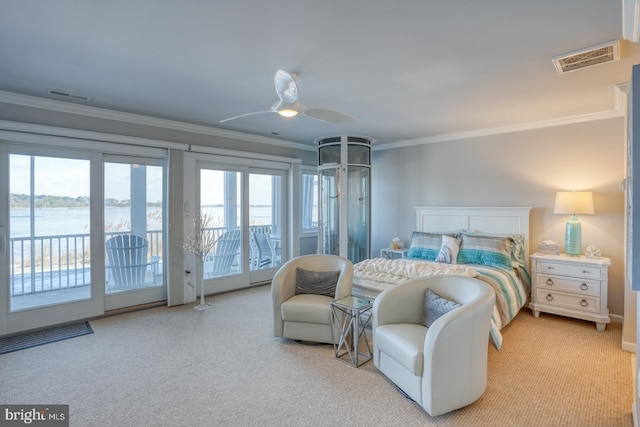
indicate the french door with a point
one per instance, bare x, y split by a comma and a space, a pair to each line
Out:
59, 210
219, 207
245, 209
266, 222
47, 273
134, 231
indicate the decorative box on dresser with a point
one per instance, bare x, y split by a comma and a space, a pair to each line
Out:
573, 286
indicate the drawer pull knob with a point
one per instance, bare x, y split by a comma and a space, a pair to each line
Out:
550, 297
549, 282
585, 271
550, 267
584, 287
584, 303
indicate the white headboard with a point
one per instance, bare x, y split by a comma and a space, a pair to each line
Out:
488, 220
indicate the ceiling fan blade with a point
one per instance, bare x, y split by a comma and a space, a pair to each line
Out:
329, 116
286, 86
288, 104
245, 115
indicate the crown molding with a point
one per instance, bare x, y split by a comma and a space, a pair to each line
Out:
139, 119
609, 114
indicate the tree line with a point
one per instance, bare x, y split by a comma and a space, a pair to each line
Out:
47, 201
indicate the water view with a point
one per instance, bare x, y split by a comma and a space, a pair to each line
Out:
64, 221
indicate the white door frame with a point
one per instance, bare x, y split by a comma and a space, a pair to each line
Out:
27, 319
193, 162
130, 298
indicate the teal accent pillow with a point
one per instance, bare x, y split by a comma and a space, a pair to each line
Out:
493, 251
434, 307
517, 249
425, 246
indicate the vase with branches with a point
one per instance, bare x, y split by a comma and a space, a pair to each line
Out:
201, 244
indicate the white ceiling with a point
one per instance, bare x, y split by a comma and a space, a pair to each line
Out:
405, 69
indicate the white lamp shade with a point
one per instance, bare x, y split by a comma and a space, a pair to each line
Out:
574, 202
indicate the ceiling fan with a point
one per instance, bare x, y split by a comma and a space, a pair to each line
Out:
289, 105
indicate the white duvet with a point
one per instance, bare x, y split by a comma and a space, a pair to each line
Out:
398, 271
373, 276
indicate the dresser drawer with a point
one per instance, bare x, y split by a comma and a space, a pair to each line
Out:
574, 302
577, 271
567, 284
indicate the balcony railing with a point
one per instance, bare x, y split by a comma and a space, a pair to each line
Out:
50, 263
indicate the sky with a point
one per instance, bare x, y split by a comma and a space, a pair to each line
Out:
70, 177
58, 177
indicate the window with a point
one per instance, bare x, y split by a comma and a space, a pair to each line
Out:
309, 200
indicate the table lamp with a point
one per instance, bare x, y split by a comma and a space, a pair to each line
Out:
573, 202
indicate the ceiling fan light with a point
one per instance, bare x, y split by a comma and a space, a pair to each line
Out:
288, 112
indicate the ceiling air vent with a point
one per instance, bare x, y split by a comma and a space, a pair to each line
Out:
63, 94
588, 57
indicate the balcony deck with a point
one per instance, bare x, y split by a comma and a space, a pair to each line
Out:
61, 273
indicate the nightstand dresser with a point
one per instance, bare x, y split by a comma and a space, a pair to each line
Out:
573, 286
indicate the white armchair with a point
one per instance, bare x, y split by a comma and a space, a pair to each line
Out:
443, 367
307, 317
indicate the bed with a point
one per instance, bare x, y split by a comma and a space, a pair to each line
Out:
488, 243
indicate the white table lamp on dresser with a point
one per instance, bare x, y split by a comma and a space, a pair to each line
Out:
573, 286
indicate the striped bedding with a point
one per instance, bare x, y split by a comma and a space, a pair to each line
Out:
372, 276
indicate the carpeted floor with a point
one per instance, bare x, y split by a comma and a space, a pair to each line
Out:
180, 367
45, 336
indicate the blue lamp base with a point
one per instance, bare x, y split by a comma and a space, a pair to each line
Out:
573, 237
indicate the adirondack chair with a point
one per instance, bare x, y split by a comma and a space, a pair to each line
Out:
127, 262
263, 255
220, 262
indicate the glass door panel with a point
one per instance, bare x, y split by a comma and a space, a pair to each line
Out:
49, 215
266, 214
50, 211
358, 212
221, 208
329, 225
134, 230
245, 211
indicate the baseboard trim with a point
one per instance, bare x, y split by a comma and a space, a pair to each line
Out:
616, 318
629, 346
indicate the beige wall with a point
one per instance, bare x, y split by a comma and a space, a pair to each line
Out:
514, 169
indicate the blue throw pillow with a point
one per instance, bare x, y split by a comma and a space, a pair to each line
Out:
426, 246
434, 307
493, 251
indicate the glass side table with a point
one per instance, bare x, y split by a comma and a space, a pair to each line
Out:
347, 317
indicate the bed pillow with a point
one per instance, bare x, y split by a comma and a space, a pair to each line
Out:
434, 307
426, 246
493, 251
517, 249
316, 282
449, 250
